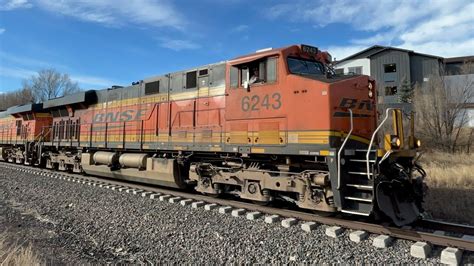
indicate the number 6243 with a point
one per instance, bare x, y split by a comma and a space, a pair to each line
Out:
256, 102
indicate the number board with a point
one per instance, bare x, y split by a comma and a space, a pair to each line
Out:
309, 49
264, 102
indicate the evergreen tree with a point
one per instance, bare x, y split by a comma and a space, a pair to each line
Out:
406, 92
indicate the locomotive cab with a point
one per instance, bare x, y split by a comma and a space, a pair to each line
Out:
288, 102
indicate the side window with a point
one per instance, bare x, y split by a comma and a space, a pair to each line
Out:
203, 72
217, 76
18, 127
260, 71
152, 87
243, 76
390, 90
390, 68
191, 81
271, 69
355, 70
234, 77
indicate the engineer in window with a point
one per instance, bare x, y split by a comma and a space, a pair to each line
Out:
255, 77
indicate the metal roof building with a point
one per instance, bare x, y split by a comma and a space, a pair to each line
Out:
391, 68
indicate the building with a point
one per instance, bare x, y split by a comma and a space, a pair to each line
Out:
459, 73
454, 66
391, 68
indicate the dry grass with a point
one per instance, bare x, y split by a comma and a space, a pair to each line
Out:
449, 170
13, 255
450, 180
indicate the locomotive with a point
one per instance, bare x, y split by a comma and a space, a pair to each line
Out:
274, 125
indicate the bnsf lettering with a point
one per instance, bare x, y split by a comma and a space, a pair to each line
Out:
367, 104
124, 116
353, 103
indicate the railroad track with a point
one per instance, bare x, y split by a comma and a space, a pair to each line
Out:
456, 235
446, 227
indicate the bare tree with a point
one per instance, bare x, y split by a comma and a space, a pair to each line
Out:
19, 97
441, 109
49, 84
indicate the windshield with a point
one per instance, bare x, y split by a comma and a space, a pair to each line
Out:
305, 66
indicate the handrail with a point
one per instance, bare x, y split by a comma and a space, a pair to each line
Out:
340, 150
372, 140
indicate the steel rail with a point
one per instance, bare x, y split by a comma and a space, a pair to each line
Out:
446, 226
401, 233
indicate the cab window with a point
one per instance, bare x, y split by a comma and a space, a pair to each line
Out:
304, 66
258, 72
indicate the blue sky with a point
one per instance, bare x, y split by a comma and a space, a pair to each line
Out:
106, 42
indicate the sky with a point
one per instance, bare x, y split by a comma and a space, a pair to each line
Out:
101, 43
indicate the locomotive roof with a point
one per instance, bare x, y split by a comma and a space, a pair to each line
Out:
151, 78
258, 54
31, 107
76, 98
4, 114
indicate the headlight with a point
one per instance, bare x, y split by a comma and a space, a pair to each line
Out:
396, 142
371, 92
417, 143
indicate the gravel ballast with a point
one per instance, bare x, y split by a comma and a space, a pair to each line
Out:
98, 225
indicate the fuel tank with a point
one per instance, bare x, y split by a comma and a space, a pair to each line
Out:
103, 157
133, 160
158, 171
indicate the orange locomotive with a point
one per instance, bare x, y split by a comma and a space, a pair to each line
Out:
274, 125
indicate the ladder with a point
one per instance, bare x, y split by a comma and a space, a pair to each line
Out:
356, 173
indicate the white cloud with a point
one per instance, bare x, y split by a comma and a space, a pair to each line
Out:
454, 26
383, 37
240, 28
83, 80
14, 4
27, 61
443, 27
118, 12
16, 72
178, 45
13, 66
443, 49
363, 15
2, 30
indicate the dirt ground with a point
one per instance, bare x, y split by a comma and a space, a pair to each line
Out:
450, 181
22, 229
